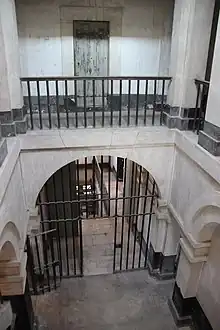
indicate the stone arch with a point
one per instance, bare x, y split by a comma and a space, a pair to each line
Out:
79, 155
9, 242
205, 221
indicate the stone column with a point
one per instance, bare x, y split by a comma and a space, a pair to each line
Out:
209, 138
12, 111
183, 301
164, 240
189, 52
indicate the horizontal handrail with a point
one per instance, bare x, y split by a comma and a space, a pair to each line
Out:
63, 78
202, 82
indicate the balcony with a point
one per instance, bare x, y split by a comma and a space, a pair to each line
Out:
81, 102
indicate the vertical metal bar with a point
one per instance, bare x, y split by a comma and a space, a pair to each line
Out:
154, 102
136, 217
39, 105
86, 184
137, 102
129, 216
57, 225
38, 261
129, 102
123, 211
72, 216
57, 104
30, 104
48, 104
162, 102
146, 102
116, 222
101, 186
30, 263
75, 92
65, 226
120, 102
84, 101
111, 118
143, 219
80, 220
196, 108
93, 103
149, 223
66, 98
103, 102
109, 185
94, 186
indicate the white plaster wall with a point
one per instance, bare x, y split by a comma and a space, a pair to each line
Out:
208, 293
44, 154
13, 212
140, 35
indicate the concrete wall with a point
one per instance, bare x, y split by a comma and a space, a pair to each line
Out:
209, 285
140, 35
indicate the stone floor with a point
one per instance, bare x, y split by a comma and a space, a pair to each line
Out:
131, 301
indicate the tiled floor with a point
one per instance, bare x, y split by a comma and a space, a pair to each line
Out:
126, 301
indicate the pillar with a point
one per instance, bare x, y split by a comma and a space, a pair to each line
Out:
164, 241
191, 32
209, 138
12, 112
183, 304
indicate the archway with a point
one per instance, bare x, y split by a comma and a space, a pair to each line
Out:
96, 213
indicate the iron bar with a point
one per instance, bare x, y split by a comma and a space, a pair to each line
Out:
76, 103
154, 101
129, 102
66, 103
120, 101
103, 102
162, 102
61, 78
64, 216
146, 102
94, 186
80, 220
84, 103
109, 185
86, 184
30, 104
48, 104
39, 262
93, 103
123, 211
101, 167
116, 222
196, 119
111, 103
57, 103
129, 217
39, 105
137, 102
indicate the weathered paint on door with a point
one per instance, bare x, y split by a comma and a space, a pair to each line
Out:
91, 59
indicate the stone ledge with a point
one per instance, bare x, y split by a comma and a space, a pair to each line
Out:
14, 122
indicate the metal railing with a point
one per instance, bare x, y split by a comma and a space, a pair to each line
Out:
201, 103
73, 102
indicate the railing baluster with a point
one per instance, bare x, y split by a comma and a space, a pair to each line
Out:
111, 104
120, 101
84, 101
75, 92
137, 102
129, 102
39, 104
48, 104
57, 104
154, 102
162, 102
145, 102
30, 104
66, 104
196, 109
93, 103
103, 102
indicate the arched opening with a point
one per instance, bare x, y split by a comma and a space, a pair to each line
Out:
96, 214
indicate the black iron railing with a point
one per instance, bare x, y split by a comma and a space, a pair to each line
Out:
66, 102
201, 103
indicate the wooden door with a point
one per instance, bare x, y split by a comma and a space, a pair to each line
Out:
91, 59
